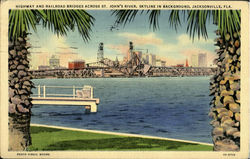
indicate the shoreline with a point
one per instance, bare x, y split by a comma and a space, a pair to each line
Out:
121, 134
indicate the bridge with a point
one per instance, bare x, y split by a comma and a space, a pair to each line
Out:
134, 66
123, 71
81, 96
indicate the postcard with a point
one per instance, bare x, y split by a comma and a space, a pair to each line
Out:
125, 79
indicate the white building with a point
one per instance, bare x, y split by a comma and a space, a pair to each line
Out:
194, 60
202, 60
160, 63
152, 59
54, 62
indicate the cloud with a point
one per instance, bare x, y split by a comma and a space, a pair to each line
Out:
185, 40
51, 45
147, 39
118, 48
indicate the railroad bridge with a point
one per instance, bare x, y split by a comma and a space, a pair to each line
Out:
95, 72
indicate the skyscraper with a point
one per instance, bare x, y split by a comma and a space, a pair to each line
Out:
152, 59
194, 60
202, 60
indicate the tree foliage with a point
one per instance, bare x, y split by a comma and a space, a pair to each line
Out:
228, 21
58, 21
127, 16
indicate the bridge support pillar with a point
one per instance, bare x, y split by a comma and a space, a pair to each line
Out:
91, 108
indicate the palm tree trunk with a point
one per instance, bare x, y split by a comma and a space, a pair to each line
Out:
225, 87
19, 95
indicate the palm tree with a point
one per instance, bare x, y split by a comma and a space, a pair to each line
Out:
20, 84
225, 84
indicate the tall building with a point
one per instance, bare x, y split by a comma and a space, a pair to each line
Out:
152, 59
54, 62
145, 58
194, 60
42, 67
202, 60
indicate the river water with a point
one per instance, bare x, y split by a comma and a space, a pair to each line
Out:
173, 107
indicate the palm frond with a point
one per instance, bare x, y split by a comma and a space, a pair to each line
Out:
197, 20
228, 21
154, 18
60, 21
174, 19
124, 16
20, 22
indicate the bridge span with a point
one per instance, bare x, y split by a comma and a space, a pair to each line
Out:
106, 71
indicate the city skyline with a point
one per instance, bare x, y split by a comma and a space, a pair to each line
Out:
167, 44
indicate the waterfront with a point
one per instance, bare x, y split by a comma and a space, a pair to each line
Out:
173, 107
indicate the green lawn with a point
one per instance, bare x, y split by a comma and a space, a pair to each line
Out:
50, 139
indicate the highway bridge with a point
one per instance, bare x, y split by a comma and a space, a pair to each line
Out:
149, 71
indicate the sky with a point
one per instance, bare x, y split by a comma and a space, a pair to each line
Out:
169, 45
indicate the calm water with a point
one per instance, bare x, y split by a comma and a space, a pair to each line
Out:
174, 107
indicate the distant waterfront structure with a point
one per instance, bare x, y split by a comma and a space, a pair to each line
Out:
100, 53
43, 67
145, 58
194, 60
163, 63
60, 67
152, 59
54, 62
180, 65
76, 64
130, 51
160, 63
202, 60
186, 63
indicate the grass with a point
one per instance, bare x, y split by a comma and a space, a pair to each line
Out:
51, 139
